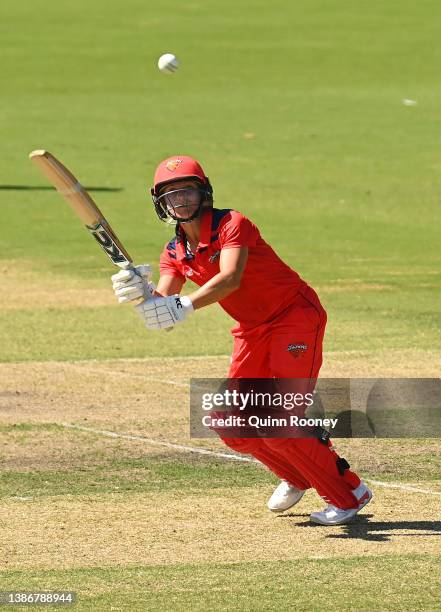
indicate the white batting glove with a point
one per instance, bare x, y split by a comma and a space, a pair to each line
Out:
133, 284
163, 312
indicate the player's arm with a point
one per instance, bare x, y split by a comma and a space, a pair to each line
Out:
232, 263
235, 236
169, 285
163, 312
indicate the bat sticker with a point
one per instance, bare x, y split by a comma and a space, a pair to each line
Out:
106, 242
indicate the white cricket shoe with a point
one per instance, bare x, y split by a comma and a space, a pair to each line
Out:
285, 496
332, 515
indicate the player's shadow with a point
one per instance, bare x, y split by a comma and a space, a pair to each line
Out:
376, 531
49, 188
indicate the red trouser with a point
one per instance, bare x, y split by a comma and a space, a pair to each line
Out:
290, 346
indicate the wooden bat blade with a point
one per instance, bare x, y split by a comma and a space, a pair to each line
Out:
67, 186
85, 208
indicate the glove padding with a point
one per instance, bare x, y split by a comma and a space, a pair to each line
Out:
165, 312
133, 284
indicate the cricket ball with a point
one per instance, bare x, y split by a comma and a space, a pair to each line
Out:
168, 63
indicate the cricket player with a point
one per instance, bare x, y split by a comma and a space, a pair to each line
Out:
279, 330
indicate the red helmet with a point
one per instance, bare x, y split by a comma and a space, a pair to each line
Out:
175, 168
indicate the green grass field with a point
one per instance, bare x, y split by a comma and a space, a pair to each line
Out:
296, 112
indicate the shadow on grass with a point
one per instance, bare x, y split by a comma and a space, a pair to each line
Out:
375, 531
48, 188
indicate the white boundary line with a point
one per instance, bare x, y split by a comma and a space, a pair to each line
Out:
404, 487
182, 447
191, 449
203, 451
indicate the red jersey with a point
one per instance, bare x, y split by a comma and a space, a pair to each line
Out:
268, 285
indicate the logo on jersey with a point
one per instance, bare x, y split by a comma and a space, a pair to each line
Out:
173, 164
297, 349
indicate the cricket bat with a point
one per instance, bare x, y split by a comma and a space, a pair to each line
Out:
84, 207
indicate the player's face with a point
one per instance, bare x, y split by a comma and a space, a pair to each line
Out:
182, 198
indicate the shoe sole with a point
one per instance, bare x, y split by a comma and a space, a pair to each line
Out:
347, 519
